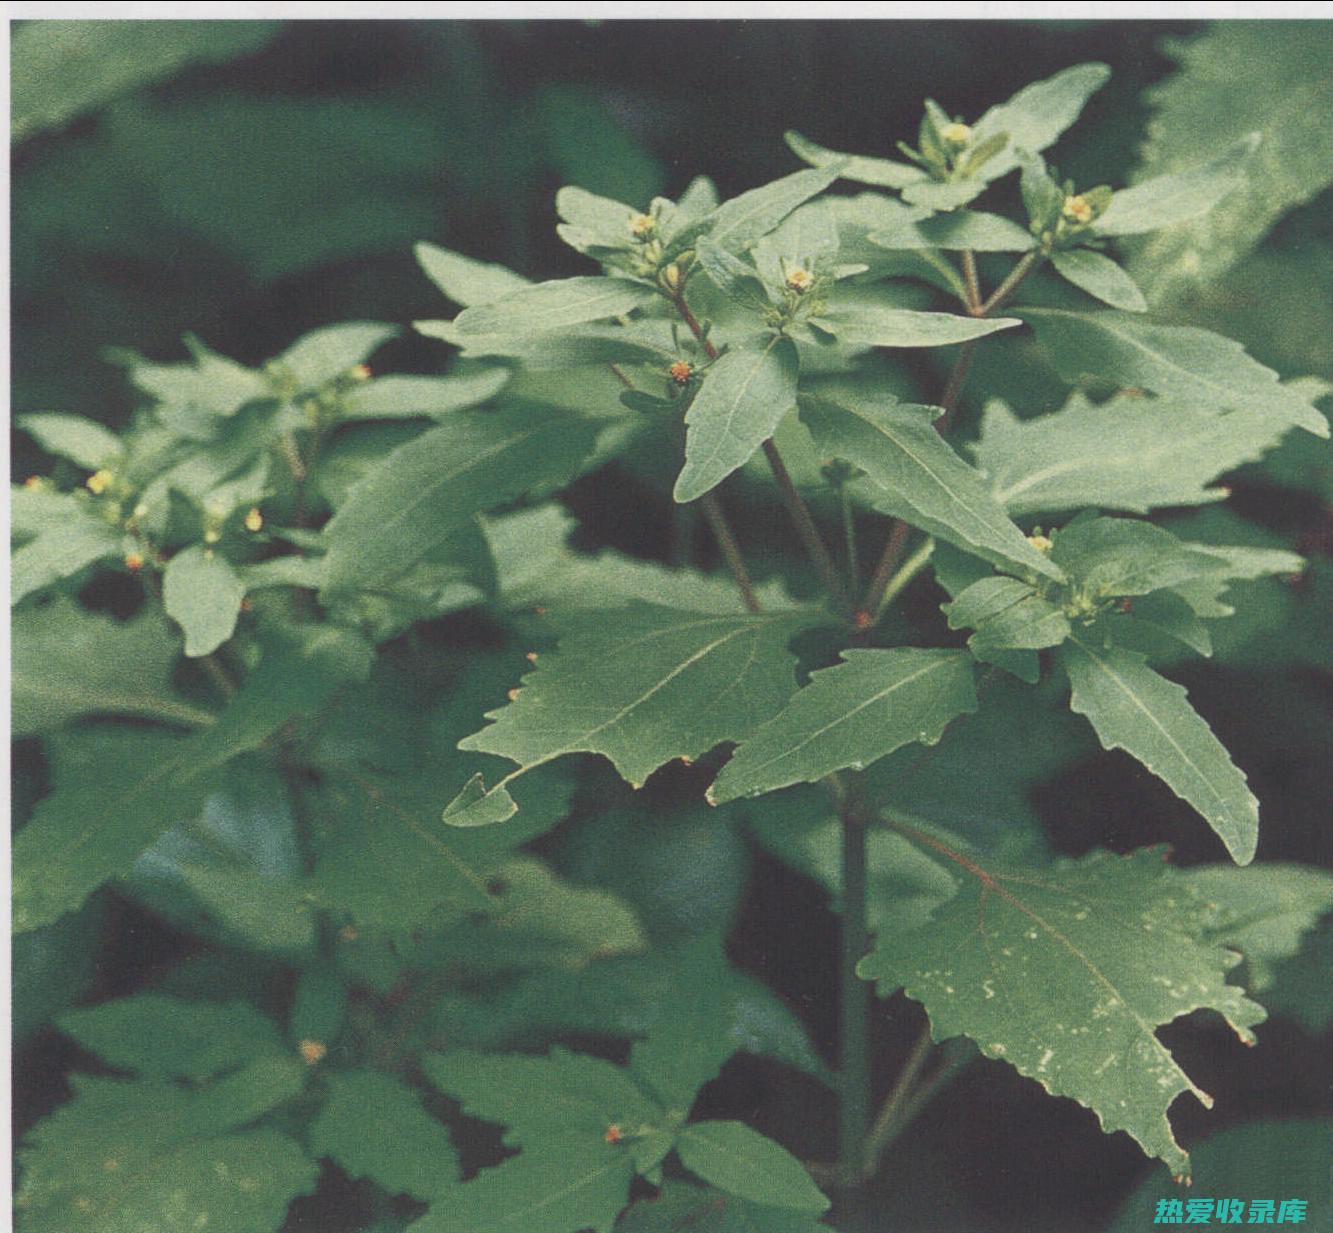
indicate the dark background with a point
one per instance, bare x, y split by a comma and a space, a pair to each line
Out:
251, 199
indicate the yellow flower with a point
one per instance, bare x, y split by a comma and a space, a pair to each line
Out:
313, 1051
642, 224
1079, 209
1040, 542
99, 481
799, 280
254, 520
956, 134
681, 372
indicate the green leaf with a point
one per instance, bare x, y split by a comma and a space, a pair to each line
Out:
1166, 201
644, 685
881, 172
743, 1162
373, 1125
1191, 366
59, 552
1100, 277
564, 1097
84, 442
729, 274
69, 662
193, 398
1106, 557
983, 233
1286, 1157
562, 1189
465, 280
851, 715
1299, 988
738, 224
1223, 90
592, 221
320, 356
743, 397
156, 1035
1132, 708
202, 594
1006, 614
1127, 453
544, 307
914, 474
125, 1157
682, 1206
872, 323
686, 1047
391, 398
1065, 972
65, 68
425, 490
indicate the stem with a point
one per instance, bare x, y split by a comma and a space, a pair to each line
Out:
218, 675
849, 538
853, 1060
1026, 265
910, 568
971, 284
731, 552
882, 1131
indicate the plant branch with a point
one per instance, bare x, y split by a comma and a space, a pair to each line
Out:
882, 1131
971, 283
910, 568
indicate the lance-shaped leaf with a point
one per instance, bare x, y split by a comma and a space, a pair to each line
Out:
646, 684
326, 353
1192, 366
735, 278
544, 307
882, 172
1100, 277
202, 594
739, 223
1007, 614
561, 1188
1066, 972
592, 222
464, 280
427, 489
742, 400
58, 552
981, 232
1106, 557
857, 317
915, 475
589, 344
403, 397
83, 441
741, 1161
1128, 453
1130, 707
872, 703
1165, 201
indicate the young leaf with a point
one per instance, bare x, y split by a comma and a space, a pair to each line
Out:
1107, 557
84, 442
1191, 366
562, 1188
1006, 613
1100, 277
743, 397
1065, 972
644, 685
592, 221
983, 233
872, 703
915, 475
59, 552
544, 307
373, 1125
465, 280
743, 1162
400, 397
873, 324
1130, 707
739, 223
202, 594
425, 490
729, 274
1128, 453
323, 354
1168, 200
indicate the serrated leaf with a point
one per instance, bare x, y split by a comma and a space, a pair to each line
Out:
373, 1125
401, 397
561, 1098
1065, 972
741, 1161
1132, 708
646, 684
914, 474
156, 1035
1128, 453
743, 397
69, 662
853, 714
543, 307
870, 324
1100, 277
59, 552
1193, 366
682, 1206
739, 223
1224, 89
202, 594
84, 442
329, 352
426, 489
1166, 201
465, 280
125, 1157
561, 1189
981, 232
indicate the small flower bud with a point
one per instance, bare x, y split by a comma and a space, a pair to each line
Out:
212, 535
671, 278
254, 520
956, 134
361, 372
681, 372
313, 1051
799, 280
642, 225
99, 481
33, 482
1040, 542
133, 562
613, 1133
1078, 209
